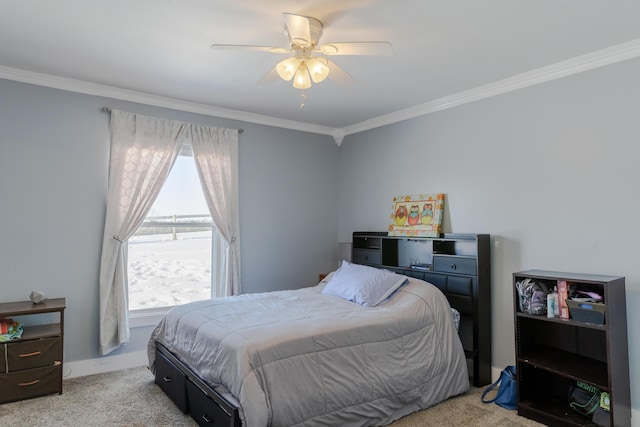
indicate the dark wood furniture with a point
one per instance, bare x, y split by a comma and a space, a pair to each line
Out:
459, 265
553, 353
191, 394
31, 366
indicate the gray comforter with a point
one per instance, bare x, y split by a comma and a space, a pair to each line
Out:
304, 358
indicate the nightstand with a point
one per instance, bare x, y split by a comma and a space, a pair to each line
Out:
31, 366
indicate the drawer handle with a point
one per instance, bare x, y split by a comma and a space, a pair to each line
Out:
35, 353
167, 379
206, 419
453, 266
29, 383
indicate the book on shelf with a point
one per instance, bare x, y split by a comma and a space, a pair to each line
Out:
562, 299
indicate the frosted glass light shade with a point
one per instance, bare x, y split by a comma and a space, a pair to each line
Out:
287, 69
302, 80
318, 70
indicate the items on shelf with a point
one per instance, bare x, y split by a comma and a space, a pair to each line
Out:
10, 330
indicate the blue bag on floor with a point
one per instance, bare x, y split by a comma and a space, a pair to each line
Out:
507, 395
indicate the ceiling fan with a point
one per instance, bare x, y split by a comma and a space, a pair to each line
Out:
308, 62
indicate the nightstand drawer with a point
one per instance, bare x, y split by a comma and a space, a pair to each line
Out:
30, 383
3, 357
454, 264
33, 353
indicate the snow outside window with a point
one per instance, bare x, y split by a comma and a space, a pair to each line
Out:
169, 256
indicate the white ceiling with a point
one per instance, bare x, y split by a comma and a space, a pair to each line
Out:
160, 50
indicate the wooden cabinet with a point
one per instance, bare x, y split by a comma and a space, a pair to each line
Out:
553, 353
458, 264
31, 365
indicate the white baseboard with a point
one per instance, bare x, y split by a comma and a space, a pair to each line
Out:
100, 365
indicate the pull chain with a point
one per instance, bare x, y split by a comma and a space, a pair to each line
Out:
303, 96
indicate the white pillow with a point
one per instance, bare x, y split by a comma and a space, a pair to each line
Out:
364, 285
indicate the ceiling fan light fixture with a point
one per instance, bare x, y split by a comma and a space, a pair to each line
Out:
287, 68
302, 80
318, 69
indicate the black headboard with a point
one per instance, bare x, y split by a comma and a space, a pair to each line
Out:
459, 265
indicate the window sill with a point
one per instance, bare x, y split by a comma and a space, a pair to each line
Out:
148, 317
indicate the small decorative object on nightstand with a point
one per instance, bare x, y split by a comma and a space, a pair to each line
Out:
31, 365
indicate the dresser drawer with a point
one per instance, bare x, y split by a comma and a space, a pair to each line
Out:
33, 353
454, 264
30, 383
172, 381
366, 256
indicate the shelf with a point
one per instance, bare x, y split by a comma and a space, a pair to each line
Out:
562, 321
551, 411
8, 309
553, 353
40, 331
568, 365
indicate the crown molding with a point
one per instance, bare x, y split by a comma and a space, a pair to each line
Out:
590, 61
113, 92
600, 58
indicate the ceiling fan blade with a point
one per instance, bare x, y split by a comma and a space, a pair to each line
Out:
270, 49
339, 75
270, 77
357, 48
298, 29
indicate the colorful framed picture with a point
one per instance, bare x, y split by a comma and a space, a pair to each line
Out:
419, 215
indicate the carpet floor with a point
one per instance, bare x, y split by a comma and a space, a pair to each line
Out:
130, 398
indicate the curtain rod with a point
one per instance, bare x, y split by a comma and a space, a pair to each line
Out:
108, 110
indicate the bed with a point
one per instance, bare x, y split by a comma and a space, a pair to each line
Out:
311, 356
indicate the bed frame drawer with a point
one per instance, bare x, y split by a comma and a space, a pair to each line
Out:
172, 381
366, 256
455, 264
204, 410
439, 280
460, 285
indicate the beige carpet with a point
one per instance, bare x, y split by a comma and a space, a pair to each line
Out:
130, 398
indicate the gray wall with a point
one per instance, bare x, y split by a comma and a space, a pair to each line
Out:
54, 149
551, 172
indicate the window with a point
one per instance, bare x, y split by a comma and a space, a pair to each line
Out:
169, 256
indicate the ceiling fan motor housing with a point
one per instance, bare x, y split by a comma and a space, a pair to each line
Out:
315, 32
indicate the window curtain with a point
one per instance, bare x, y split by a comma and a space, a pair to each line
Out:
215, 151
143, 151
